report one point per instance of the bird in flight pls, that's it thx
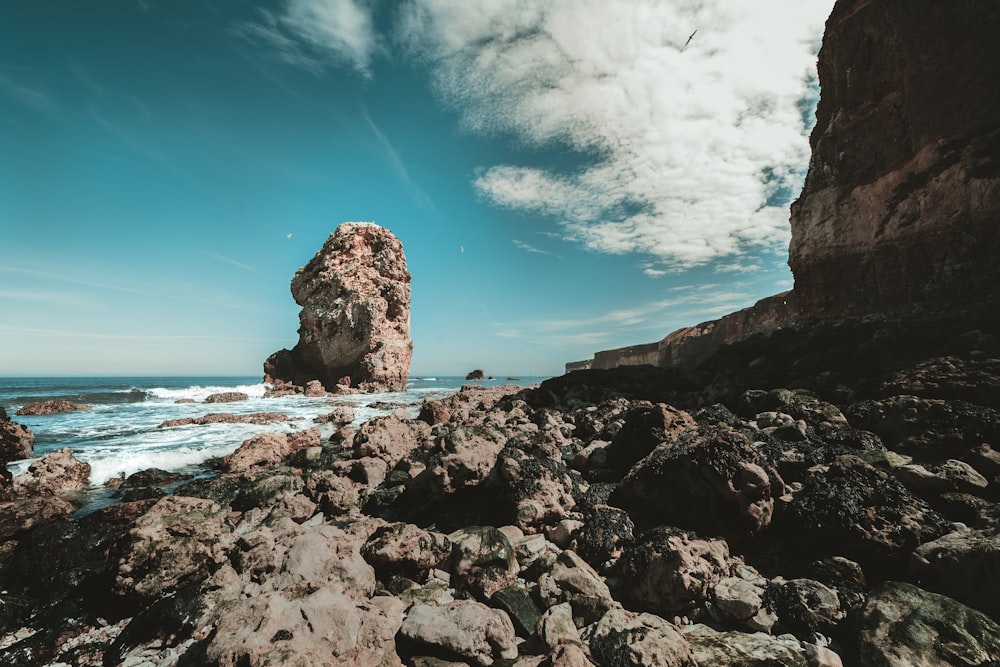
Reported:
(690, 37)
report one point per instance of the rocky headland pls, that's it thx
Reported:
(805, 491)
(354, 326)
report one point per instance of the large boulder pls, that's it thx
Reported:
(355, 317)
(16, 440)
(56, 473)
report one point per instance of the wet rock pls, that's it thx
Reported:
(605, 535)
(710, 647)
(227, 397)
(50, 407)
(342, 414)
(708, 480)
(521, 608)
(476, 374)
(55, 474)
(634, 640)
(962, 565)
(16, 440)
(482, 561)
(845, 577)
(406, 550)
(227, 418)
(267, 449)
(904, 626)
(465, 628)
(179, 541)
(673, 572)
(646, 427)
(805, 608)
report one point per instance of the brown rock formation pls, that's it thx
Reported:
(355, 318)
(16, 441)
(50, 407)
(902, 199)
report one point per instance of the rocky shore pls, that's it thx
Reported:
(820, 497)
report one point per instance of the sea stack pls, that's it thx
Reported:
(354, 326)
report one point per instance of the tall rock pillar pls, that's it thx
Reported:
(354, 327)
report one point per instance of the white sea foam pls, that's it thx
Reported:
(199, 393)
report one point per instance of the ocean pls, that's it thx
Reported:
(119, 434)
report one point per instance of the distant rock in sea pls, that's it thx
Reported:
(475, 375)
(50, 407)
(354, 331)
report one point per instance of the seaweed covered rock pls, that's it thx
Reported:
(673, 572)
(712, 647)
(962, 565)
(406, 550)
(646, 427)
(538, 489)
(905, 626)
(634, 639)
(482, 561)
(709, 480)
(853, 509)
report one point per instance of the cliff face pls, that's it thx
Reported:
(355, 321)
(901, 204)
(900, 210)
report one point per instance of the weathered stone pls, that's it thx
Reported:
(466, 628)
(50, 407)
(539, 489)
(406, 550)
(523, 611)
(227, 397)
(905, 626)
(54, 474)
(355, 318)
(710, 647)
(179, 541)
(629, 639)
(16, 440)
(482, 561)
(573, 580)
(962, 565)
(646, 427)
(556, 627)
(708, 480)
(390, 438)
(670, 571)
(226, 418)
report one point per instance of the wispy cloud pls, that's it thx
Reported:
(316, 33)
(229, 260)
(527, 247)
(419, 197)
(72, 280)
(694, 141)
(34, 97)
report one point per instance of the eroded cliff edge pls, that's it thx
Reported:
(900, 211)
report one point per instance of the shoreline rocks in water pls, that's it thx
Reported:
(50, 407)
(354, 332)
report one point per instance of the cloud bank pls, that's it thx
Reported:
(688, 118)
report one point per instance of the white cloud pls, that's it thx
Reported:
(527, 247)
(314, 33)
(230, 260)
(689, 144)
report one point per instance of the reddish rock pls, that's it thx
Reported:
(178, 542)
(269, 448)
(227, 397)
(406, 550)
(227, 418)
(390, 438)
(467, 628)
(626, 638)
(355, 318)
(16, 440)
(342, 414)
(50, 407)
(646, 427)
(54, 474)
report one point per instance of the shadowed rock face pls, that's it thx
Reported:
(355, 318)
(902, 201)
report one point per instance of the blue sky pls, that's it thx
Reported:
(566, 176)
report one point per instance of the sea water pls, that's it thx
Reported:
(119, 434)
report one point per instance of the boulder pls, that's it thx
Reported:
(962, 565)
(405, 550)
(476, 374)
(571, 579)
(390, 438)
(355, 317)
(538, 489)
(646, 427)
(54, 474)
(178, 542)
(707, 479)
(227, 397)
(632, 639)
(467, 629)
(906, 626)
(16, 440)
(711, 647)
(50, 407)
(266, 449)
(482, 561)
(673, 572)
